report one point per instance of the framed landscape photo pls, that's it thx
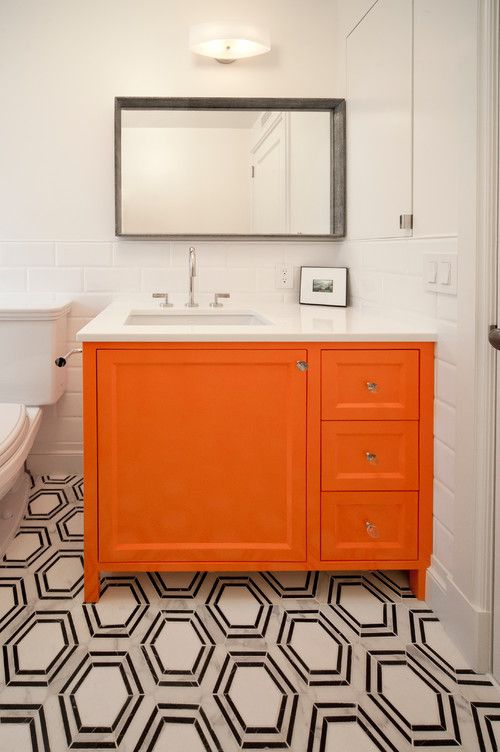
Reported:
(323, 285)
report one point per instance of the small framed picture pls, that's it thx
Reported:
(323, 285)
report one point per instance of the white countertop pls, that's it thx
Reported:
(290, 322)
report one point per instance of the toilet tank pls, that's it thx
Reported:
(32, 336)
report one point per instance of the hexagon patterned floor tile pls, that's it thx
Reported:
(178, 648)
(316, 649)
(100, 699)
(178, 728)
(120, 610)
(257, 700)
(364, 606)
(239, 607)
(23, 727)
(38, 650)
(221, 662)
(177, 584)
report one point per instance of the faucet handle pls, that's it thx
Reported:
(218, 295)
(163, 295)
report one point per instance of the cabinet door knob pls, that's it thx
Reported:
(372, 386)
(302, 365)
(370, 457)
(372, 529)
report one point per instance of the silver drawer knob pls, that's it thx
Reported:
(370, 457)
(302, 365)
(372, 386)
(372, 529)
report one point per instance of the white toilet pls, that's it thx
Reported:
(32, 335)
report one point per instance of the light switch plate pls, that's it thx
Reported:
(440, 272)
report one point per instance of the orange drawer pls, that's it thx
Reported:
(369, 455)
(369, 526)
(370, 384)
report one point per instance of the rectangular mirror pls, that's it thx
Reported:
(230, 168)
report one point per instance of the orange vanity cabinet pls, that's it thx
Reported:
(238, 456)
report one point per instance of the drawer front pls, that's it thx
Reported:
(370, 384)
(369, 455)
(369, 526)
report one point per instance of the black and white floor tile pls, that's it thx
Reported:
(217, 662)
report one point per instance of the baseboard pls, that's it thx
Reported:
(468, 626)
(55, 462)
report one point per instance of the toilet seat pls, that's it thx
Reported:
(14, 426)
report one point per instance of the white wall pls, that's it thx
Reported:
(61, 65)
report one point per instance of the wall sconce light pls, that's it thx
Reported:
(227, 42)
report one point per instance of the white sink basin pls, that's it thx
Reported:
(153, 317)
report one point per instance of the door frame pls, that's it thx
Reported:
(486, 484)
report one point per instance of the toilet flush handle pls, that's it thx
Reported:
(61, 361)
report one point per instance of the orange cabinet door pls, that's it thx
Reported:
(369, 526)
(202, 455)
(369, 455)
(370, 384)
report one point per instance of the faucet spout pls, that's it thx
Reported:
(192, 274)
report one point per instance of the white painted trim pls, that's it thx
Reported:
(467, 625)
(56, 462)
(486, 300)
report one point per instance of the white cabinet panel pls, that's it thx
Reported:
(379, 121)
(440, 29)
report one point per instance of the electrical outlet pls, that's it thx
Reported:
(283, 277)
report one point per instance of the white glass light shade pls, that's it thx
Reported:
(227, 42)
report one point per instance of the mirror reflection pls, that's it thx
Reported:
(226, 172)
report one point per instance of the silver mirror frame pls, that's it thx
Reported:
(337, 110)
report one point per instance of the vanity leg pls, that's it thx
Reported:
(417, 582)
(92, 589)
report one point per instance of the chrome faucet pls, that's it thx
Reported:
(192, 274)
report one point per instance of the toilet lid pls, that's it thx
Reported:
(14, 424)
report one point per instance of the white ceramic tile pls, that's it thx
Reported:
(444, 505)
(261, 255)
(141, 253)
(27, 254)
(396, 257)
(207, 254)
(13, 280)
(70, 405)
(113, 280)
(56, 279)
(74, 324)
(407, 293)
(73, 378)
(447, 307)
(444, 422)
(169, 280)
(447, 344)
(444, 464)
(84, 254)
(212, 279)
(446, 382)
(88, 304)
(443, 545)
(266, 279)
